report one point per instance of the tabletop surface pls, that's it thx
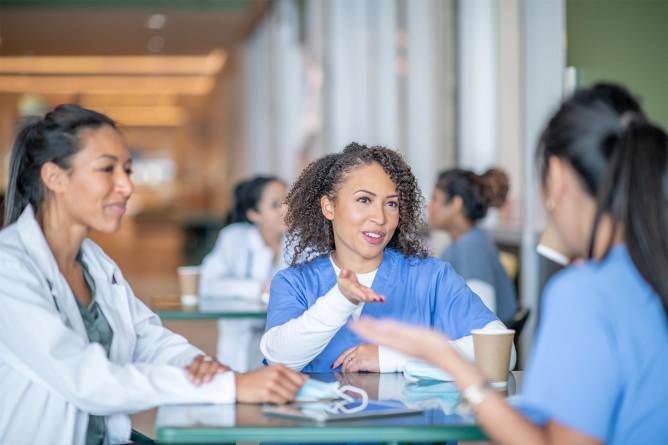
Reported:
(208, 308)
(442, 420)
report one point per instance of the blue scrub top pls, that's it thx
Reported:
(600, 362)
(475, 257)
(419, 291)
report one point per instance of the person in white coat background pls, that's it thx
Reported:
(78, 351)
(246, 256)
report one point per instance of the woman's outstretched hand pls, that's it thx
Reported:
(425, 344)
(354, 291)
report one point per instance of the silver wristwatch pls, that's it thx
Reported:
(475, 394)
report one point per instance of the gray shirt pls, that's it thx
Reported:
(99, 331)
(475, 257)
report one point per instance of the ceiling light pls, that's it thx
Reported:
(188, 85)
(209, 64)
(156, 21)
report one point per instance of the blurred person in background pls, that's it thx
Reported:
(78, 351)
(460, 199)
(598, 370)
(246, 256)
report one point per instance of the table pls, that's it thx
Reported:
(190, 424)
(170, 308)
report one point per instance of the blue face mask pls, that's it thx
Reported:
(429, 394)
(314, 390)
(335, 398)
(418, 370)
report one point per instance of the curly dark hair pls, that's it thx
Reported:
(310, 234)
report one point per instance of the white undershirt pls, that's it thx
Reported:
(297, 342)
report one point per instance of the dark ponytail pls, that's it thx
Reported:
(622, 160)
(247, 195)
(477, 192)
(19, 192)
(55, 138)
(635, 194)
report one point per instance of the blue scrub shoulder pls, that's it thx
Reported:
(603, 340)
(317, 275)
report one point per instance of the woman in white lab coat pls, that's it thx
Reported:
(242, 263)
(78, 351)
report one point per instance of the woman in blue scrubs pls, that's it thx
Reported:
(599, 366)
(354, 223)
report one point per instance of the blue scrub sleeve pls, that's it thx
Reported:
(457, 309)
(573, 376)
(286, 301)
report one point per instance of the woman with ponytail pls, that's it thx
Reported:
(78, 351)
(246, 256)
(598, 370)
(460, 199)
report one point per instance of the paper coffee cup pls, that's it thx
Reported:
(189, 282)
(492, 348)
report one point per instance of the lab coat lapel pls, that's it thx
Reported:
(33, 240)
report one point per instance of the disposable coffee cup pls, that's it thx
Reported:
(189, 282)
(492, 348)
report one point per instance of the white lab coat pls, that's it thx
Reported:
(237, 268)
(51, 377)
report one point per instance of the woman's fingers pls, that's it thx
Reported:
(419, 342)
(203, 369)
(370, 295)
(386, 333)
(282, 393)
(356, 292)
(193, 368)
(382, 332)
(342, 358)
(202, 372)
(256, 386)
(291, 379)
(209, 371)
(351, 290)
(284, 384)
(349, 365)
(364, 358)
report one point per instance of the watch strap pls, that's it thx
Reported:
(476, 393)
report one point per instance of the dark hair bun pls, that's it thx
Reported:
(494, 187)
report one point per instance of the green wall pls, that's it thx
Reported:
(625, 41)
